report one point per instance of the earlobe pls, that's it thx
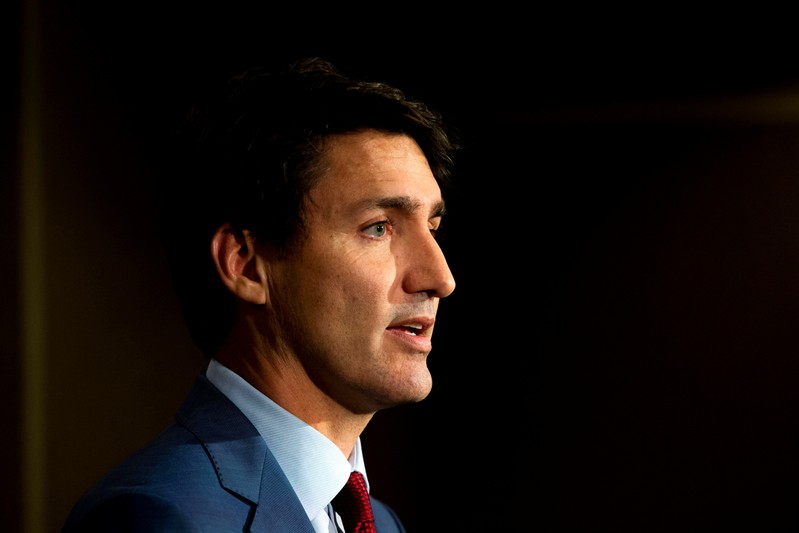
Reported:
(237, 263)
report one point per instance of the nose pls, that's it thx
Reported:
(428, 270)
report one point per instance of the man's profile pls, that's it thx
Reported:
(300, 213)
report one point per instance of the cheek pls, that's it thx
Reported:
(338, 275)
(361, 290)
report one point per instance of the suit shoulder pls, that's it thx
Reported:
(386, 518)
(130, 512)
(161, 483)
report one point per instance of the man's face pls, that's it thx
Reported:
(357, 302)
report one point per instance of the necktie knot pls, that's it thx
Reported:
(354, 507)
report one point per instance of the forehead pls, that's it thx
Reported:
(363, 165)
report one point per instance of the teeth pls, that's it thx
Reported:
(413, 326)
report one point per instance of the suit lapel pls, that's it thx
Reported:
(243, 463)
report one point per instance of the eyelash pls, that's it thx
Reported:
(389, 224)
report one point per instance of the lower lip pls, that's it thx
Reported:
(417, 343)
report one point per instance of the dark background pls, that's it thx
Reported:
(621, 351)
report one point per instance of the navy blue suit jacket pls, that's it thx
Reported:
(208, 471)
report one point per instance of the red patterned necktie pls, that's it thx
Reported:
(354, 507)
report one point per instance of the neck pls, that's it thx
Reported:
(287, 384)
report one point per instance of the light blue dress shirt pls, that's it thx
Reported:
(315, 467)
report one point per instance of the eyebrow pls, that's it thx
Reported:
(403, 203)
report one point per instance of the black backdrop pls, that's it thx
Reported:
(620, 353)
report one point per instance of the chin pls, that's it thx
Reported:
(419, 390)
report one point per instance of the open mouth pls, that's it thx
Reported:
(409, 329)
(412, 329)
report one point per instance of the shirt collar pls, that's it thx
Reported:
(315, 467)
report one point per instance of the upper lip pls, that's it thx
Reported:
(422, 324)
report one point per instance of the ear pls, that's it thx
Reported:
(238, 265)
